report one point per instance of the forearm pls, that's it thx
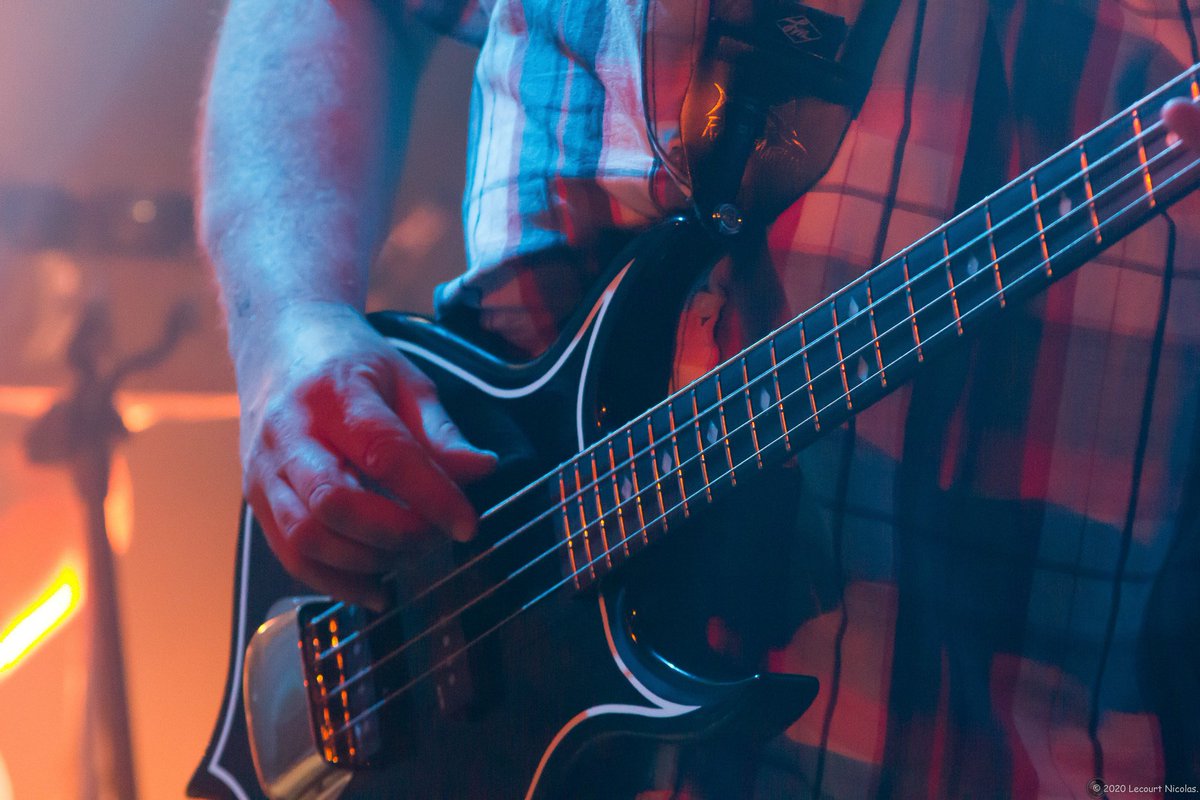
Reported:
(301, 141)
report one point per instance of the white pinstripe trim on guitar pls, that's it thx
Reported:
(662, 708)
(215, 769)
(597, 314)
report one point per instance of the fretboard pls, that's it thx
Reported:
(854, 347)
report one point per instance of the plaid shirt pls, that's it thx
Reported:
(1016, 548)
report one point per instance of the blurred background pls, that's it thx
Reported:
(98, 100)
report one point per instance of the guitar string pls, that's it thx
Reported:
(347, 641)
(936, 335)
(1134, 175)
(359, 717)
(609, 473)
(865, 278)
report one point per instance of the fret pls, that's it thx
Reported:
(912, 311)
(787, 440)
(970, 273)
(572, 564)
(678, 466)
(824, 363)
(700, 447)
(635, 486)
(1090, 193)
(950, 281)
(584, 527)
(618, 501)
(606, 553)
(1064, 215)
(889, 324)
(738, 426)
(1141, 151)
(933, 302)
(890, 314)
(767, 432)
(875, 334)
(808, 380)
(750, 415)
(1116, 174)
(841, 357)
(1015, 233)
(860, 351)
(1041, 228)
(1160, 165)
(995, 258)
(658, 488)
(724, 429)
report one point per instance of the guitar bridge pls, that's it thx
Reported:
(310, 696)
(340, 682)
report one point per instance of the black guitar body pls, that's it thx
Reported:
(518, 665)
(560, 700)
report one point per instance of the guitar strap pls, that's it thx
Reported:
(775, 91)
(776, 87)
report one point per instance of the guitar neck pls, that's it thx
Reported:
(856, 346)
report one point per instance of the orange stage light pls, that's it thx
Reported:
(40, 619)
(6, 789)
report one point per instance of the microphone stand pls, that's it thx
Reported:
(81, 432)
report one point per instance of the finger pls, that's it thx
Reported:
(372, 519)
(339, 501)
(420, 410)
(364, 590)
(1183, 119)
(301, 532)
(453, 453)
(358, 589)
(374, 439)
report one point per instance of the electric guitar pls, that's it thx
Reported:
(513, 667)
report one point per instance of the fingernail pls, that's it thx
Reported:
(463, 445)
(463, 531)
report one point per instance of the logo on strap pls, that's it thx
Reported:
(799, 29)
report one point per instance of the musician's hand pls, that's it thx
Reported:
(1183, 120)
(346, 452)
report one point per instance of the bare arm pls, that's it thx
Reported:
(301, 141)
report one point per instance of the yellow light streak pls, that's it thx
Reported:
(40, 619)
